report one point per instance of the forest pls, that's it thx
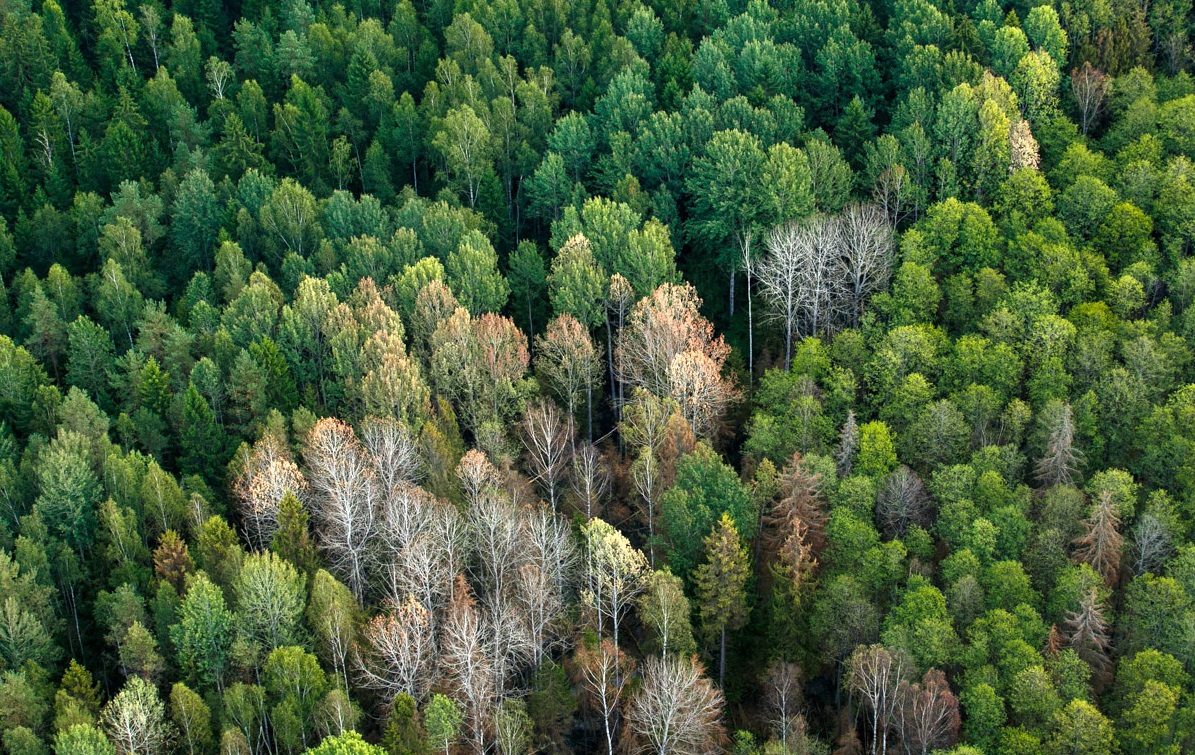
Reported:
(759, 377)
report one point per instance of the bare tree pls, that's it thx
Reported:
(548, 441)
(783, 690)
(477, 476)
(494, 531)
(676, 710)
(929, 715)
(1153, 543)
(603, 671)
(865, 254)
(267, 474)
(406, 519)
(590, 480)
(662, 327)
(393, 453)
(875, 675)
(1060, 463)
(646, 476)
(397, 652)
(1090, 87)
(1101, 543)
(619, 300)
(697, 385)
(344, 502)
(780, 277)
(902, 502)
(467, 666)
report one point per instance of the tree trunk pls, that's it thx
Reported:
(722, 660)
(750, 333)
(732, 292)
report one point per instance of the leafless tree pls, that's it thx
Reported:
(603, 672)
(783, 690)
(1087, 632)
(1090, 87)
(1101, 543)
(393, 453)
(590, 480)
(875, 675)
(928, 718)
(619, 300)
(549, 547)
(1061, 462)
(494, 531)
(397, 652)
(645, 474)
(548, 438)
(466, 663)
(1153, 543)
(456, 548)
(780, 277)
(345, 498)
(676, 710)
(902, 502)
(405, 517)
(267, 474)
(891, 193)
(865, 254)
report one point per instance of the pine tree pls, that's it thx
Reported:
(292, 539)
(1101, 543)
(721, 586)
(202, 439)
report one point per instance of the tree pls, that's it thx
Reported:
(1061, 461)
(267, 475)
(865, 241)
(271, 596)
(725, 184)
(191, 718)
(576, 283)
(296, 685)
(604, 672)
(547, 440)
(928, 718)
(1080, 728)
(202, 439)
(135, 720)
(615, 572)
(676, 711)
(1101, 543)
(466, 147)
(876, 675)
(664, 610)
(204, 633)
(348, 743)
(1087, 632)
(196, 220)
(442, 721)
(82, 739)
(472, 270)
(720, 585)
(567, 358)
(344, 490)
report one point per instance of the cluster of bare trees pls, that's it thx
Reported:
(923, 715)
(818, 273)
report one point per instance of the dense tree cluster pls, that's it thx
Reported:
(771, 378)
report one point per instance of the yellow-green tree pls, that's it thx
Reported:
(721, 586)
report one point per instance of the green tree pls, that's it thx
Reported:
(204, 634)
(721, 586)
(196, 223)
(442, 721)
(472, 270)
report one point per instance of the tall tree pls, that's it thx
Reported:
(721, 586)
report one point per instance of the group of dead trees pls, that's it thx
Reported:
(818, 273)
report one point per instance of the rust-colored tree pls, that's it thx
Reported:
(1101, 544)
(928, 715)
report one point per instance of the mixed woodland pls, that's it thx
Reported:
(765, 377)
